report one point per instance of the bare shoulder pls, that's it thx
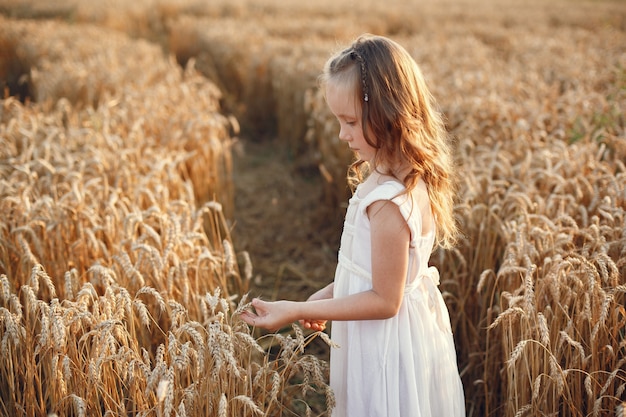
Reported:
(385, 215)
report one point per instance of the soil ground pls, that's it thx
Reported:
(293, 251)
(278, 221)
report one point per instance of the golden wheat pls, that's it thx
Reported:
(101, 219)
(535, 289)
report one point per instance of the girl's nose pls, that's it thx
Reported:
(342, 135)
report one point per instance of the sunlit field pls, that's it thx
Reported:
(121, 271)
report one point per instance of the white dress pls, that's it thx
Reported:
(404, 366)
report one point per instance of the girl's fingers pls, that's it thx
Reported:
(257, 303)
(248, 317)
(317, 325)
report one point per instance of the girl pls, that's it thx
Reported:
(396, 353)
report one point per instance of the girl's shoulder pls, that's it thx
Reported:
(379, 185)
(384, 188)
(414, 205)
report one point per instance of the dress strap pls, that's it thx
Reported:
(386, 191)
(354, 268)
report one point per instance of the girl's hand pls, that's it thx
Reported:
(318, 325)
(270, 315)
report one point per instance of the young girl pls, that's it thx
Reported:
(396, 353)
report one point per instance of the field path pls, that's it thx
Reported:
(277, 221)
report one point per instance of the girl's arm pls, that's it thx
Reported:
(390, 248)
(326, 292)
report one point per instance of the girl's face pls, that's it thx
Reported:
(343, 104)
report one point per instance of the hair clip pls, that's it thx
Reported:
(359, 58)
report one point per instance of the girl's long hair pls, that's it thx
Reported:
(401, 120)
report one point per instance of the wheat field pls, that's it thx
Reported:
(121, 279)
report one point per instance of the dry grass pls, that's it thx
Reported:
(534, 96)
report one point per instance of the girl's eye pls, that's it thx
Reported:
(350, 123)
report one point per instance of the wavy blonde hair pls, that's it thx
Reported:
(400, 119)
